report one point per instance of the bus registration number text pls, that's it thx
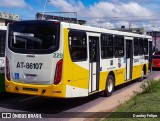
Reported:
(29, 65)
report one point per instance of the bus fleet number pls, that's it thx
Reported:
(57, 55)
(29, 65)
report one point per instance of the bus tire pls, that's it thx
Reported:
(109, 86)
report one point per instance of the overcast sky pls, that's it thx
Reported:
(102, 13)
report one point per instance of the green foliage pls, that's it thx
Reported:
(150, 86)
(145, 101)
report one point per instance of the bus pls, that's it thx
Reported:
(156, 60)
(66, 60)
(2, 57)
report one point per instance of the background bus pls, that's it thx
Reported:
(58, 59)
(156, 60)
(2, 54)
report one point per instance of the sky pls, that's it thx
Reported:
(100, 13)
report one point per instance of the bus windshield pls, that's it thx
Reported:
(33, 38)
(2, 42)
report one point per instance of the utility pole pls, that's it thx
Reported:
(155, 36)
(129, 26)
(44, 9)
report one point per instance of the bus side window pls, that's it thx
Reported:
(78, 45)
(118, 46)
(145, 46)
(136, 47)
(141, 46)
(106, 46)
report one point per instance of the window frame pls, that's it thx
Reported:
(145, 39)
(137, 53)
(35, 23)
(119, 56)
(106, 46)
(141, 46)
(82, 33)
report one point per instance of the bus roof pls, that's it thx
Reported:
(87, 28)
(102, 30)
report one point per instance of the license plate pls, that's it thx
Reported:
(31, 76)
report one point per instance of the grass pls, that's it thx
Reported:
(146, 102)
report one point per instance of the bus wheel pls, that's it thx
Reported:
(109, 86)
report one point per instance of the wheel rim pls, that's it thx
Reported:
(110, 85)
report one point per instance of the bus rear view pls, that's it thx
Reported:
(30, 66)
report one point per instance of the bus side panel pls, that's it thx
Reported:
(117, 66)
(67, 65)
(134, 72)
(103, 79)
(80, 80)
(147, 68)
(119, 76)
(80, 76)
(139, 70)
(74, 75)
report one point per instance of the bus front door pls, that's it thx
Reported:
(129, 59)
(94, 63)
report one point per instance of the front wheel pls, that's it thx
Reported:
(109, 86)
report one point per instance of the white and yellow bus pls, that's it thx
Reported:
(58, 59)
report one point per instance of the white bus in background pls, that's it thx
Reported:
(2, 46)
(2, 55)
